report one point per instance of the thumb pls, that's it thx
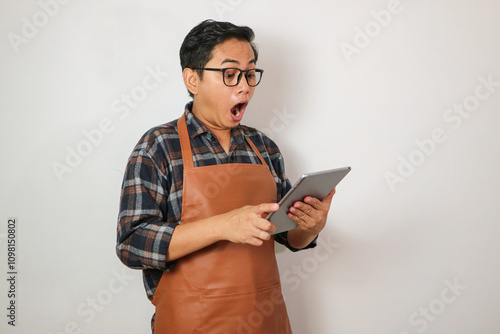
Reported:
(329, 197)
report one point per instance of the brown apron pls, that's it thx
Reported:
(225, 288)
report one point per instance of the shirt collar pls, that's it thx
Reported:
(196, 127)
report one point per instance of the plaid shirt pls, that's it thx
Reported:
(151, 198)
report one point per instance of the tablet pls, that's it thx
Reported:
(318, 184)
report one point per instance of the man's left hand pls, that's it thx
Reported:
(310, 215)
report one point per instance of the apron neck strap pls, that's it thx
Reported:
(187, 153)
(254, 148)
(185, 142)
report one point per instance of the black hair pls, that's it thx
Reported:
(196, 49)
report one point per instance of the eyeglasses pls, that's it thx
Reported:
(232, 76)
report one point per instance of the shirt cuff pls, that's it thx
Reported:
(282, 238)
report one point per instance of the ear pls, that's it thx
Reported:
(191, 80)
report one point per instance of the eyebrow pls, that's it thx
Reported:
(229, 60)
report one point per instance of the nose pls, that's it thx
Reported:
(243, 87)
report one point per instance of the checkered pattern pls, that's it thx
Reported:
(151, 199)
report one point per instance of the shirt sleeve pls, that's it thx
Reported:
(143, 235)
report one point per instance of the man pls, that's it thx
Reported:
(195, 194)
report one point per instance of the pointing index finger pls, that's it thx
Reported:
(267, 207)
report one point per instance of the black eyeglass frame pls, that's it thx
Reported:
(223, 70)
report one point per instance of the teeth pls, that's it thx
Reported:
(237, 110)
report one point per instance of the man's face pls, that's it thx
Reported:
(217, 105)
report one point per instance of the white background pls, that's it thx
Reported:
(411, 244)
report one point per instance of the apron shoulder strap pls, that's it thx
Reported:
(252, 145)
(187, 154)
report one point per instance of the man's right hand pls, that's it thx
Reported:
(247, 225)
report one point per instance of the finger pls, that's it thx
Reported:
(255, 242)
(264, 235)
(307, 215)
(301, 214)
(306, 208)
(265, 225)
(316, 203)
(329, 197)
(304, 211)
(255, 236)
(296, 218)
(304, 221)
(320, 205)
(261, 235)
(266, 208)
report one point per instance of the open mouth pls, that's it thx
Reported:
(238, 109)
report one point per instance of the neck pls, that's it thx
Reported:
(223, 134)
